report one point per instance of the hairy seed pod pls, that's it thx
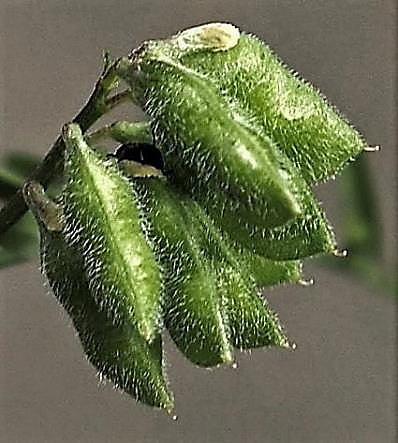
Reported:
(226, 277)
(308, 235)
(118, 352)
(104, 222)
(267, 272)
(263, 271)
(193, 313)
(251, 322)
(212, 147)
(317, 139)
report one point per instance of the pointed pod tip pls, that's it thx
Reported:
(46, 211)
(341, 253)
(306, 282)
(163, 404)
(228, 357)
(285, 343)
(72, 136)
(107, 59)
(174, 417)
(169, 408)
(70, 130)
(167, 405)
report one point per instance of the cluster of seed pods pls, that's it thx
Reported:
(185, 239)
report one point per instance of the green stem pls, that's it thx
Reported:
(97, 105)
(123, 132)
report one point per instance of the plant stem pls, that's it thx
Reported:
(97, 105)
(123, 132)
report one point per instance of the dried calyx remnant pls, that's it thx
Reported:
(203, 205)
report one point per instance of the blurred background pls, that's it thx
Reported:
(339, 385)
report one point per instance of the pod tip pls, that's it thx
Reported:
(340, 253)
(375, 148)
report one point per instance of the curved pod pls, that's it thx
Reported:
(118, 352)
(103, 221)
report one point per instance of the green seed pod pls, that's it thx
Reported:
(251, 321)
(192, 309)
(221, 274)
(212, 147)
(194, 315)
(308, 235)
(192, 149)
(252, 324)
(267, 272)
(263, 271)
(104, 223)
(317, 139)
(119, 353)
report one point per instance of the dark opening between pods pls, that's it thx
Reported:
(143, 153)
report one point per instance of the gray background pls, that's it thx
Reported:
(340, 383)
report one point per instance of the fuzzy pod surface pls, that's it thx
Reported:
(193, 311)
(212, 147)
(293, 113)
(219, 248)
(118, 352)
(306, 235)
(103, 221)
(206, 269)
(267, 272)
(251, 322)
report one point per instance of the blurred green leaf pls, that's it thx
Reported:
(362, 230)
(15, 167)
(20, 163)
(9, 184)
(20, 243)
